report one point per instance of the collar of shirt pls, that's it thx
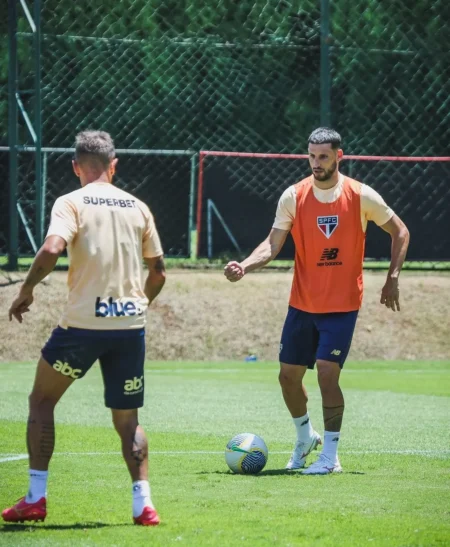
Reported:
(330, 194)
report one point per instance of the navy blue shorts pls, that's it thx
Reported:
(121, 353)
(307, 337)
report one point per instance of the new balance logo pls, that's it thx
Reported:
(329, 254)
(335, 440)
(136, 385)
(116, 308)
(67, 370)
(328, 257)
(336, 352)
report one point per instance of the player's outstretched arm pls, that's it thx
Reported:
(42, 266)
(262, 255)
(156, 277)
(400, 240)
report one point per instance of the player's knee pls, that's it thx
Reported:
(289, 378)
(328, 375)
(125, 421)
(38, 401)
(284, 379)
(326, 383)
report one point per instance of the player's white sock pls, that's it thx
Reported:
(141, 497)
(38, 486)
(304, 428)
(330, 445)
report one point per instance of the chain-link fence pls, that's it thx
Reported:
(249, 75)
(238, 195)
(163, 179)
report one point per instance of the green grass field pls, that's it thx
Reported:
(395, 451)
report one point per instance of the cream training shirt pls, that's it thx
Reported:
(373, 206)
(108, 232)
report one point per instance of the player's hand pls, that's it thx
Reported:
(233, 271)
(390, 294)
(21, 304)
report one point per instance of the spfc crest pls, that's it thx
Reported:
(327, 225)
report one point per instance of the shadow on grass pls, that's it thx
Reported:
(273, 472)
(266, 473)
(42, 527)
(270, 472)
(354, 473)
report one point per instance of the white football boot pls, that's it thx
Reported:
(323, 466)
(302, 450)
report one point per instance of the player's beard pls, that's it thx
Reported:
(326, 174)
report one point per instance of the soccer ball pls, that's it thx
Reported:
(246, 454)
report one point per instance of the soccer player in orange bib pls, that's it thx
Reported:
(327, 215)
(108, 234)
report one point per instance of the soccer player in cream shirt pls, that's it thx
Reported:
(108, 234)
(327, 214)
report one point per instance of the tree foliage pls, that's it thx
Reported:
(241, 74)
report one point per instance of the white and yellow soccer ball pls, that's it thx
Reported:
(246, 453)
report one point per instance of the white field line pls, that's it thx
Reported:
(425, 453)
(14, 458)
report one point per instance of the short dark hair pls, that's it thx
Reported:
(94, 147)
(324, 135)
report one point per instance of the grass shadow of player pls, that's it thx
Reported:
(263, 473)
(298, 473)
(275, 472)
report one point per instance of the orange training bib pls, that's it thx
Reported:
(329, 250)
